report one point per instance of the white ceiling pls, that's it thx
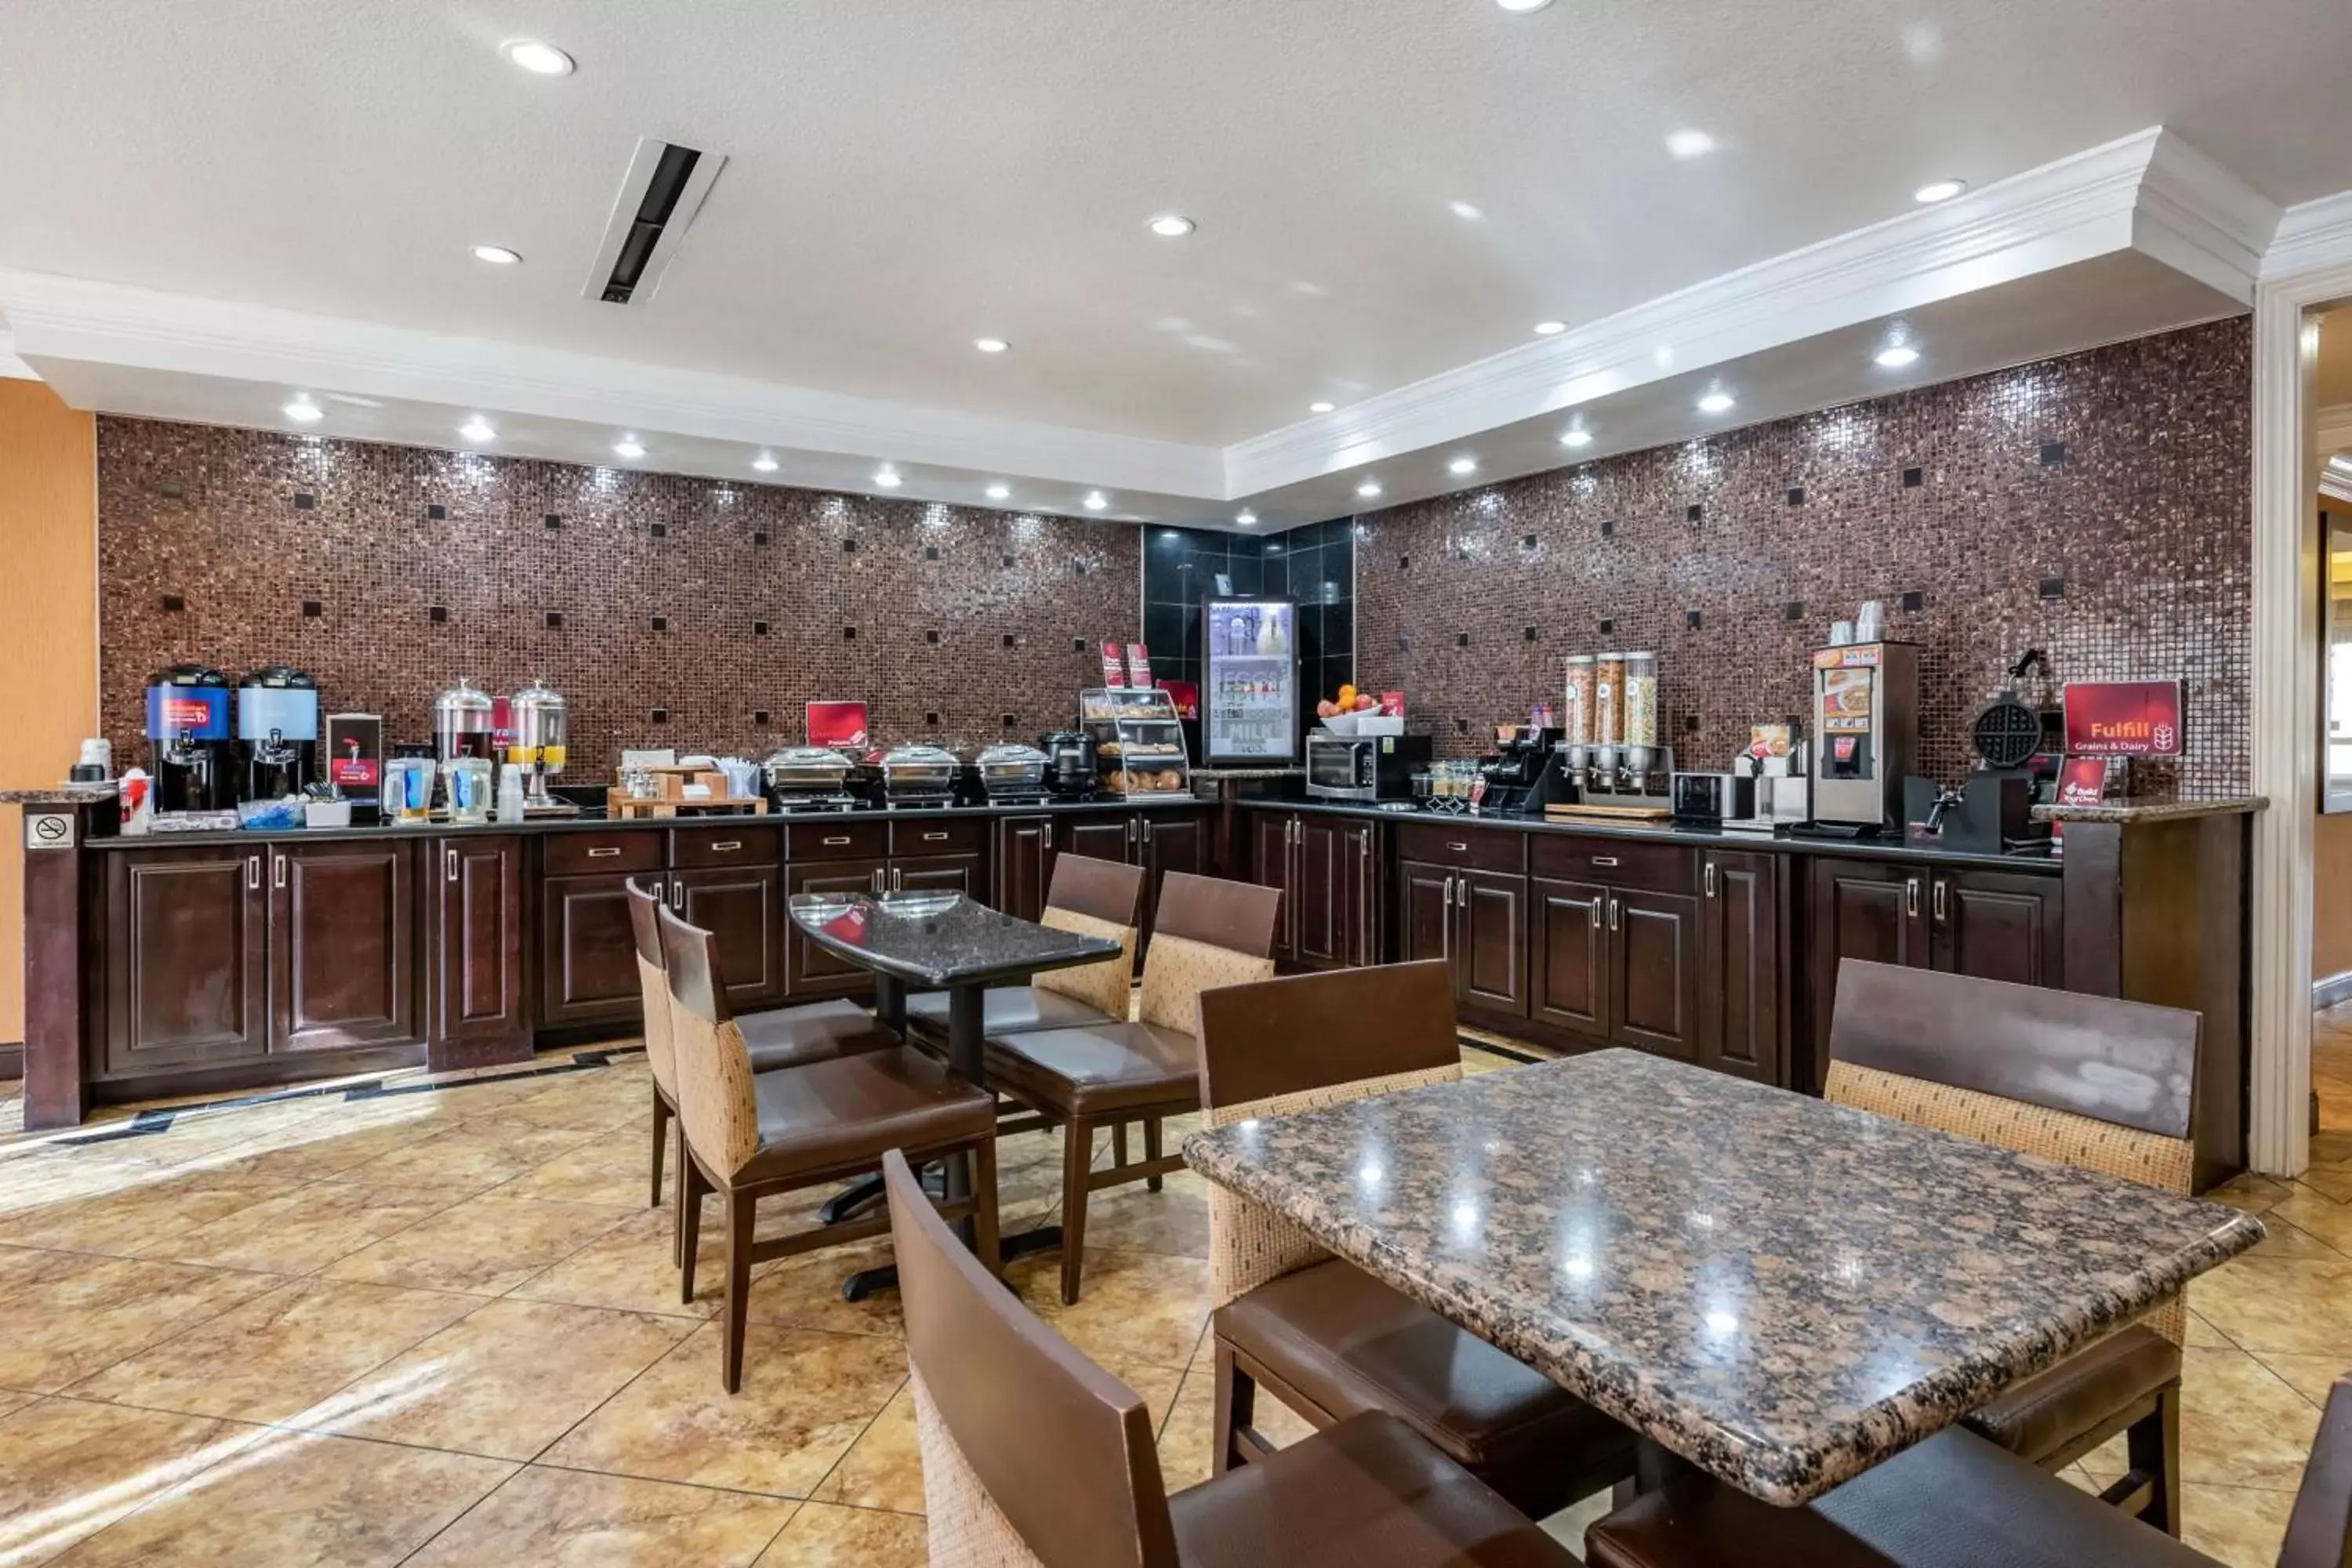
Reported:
(905, 175)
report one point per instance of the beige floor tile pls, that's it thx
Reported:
(2311, 1376)
(2204, 1336)
(823, 1536)
(2239, 1528)
(1568, 1526)
(1188, 1435)
(2323, 1218)
(589, 1101)
(304, 1230)
(569, 1518)
(69, 1468)
(804, 1292)
(2288, 1240)
(2250, 1192)
(806, 1398)
(472, 1156)
(609, 1170)
(485, 1246)
(138, 1216)
(2240, 1426)
(2300, 1308)
(336, 1145)
(299, 1500)
(277, 1357)
(629, 1267)
(2332, 1181)
(72, 1314)
(41, 1179)
(1136, 1308)
(506, 1382)
(1174, 1222)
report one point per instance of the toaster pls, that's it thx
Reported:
(1712, 797)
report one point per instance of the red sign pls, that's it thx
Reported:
(2083, 780)
(1186, 695)
(2123, 718)
(837, 723)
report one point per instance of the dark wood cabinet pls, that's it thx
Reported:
(1356, 893)
(1273, 865)
(1106, 837)
(935, 874)
(186, 959)
(480, 1013)
(1654, 970)
(1024, 865)
(1490, 953)
(1742, 1008)
(743, 911)
(1996, 925)
(1424, 911)
(810, 972)
(1329, 870)
(342, 945)
(588, 951)
(1568, 957)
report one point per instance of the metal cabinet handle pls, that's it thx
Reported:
(877, 878)
(1939, 906)
(1616, 914)
(1131, 830)
(1911, 896)
(1710, 879)
(838, 838)
(897, 880)
(252, 871)
(724, 845)
(278, 870)
(678, 894)
(449, 863)
(933, 838)
(1147, 833)
(602, 851)
(1459, 848)
(1445, 923)
(1604, 860)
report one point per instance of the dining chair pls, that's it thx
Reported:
(755, 1135)
(1955, 1501)
(2094, 1082)
(1035, 1458)
(784, 1037)
(1316, 1331)
(1087, 897)
(1208, 932)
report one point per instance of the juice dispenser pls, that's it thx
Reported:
(1866, 729)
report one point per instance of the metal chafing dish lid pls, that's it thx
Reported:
(812, 758)
(1008, 756)
(919, 757)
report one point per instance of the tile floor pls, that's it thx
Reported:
(438, 1328)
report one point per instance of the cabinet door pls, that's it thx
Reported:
(1319, 869)
(1861, 908)
(1490, 954)
(1740, 965)
(1654, 970)
(588, 951)
(1568, 956)
(1024, 865)
(1360, 902)
(1996, 925)
(1167, 844)
(479, 997)
(1273, 865)
(743, 914)
(1424, 911)
(935, 874)
(1107, 838)
(810, 971)
(342, 945)
(186, 959)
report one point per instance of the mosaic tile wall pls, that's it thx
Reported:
(669, 611)
(2097, 507)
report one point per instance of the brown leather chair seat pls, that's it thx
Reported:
(1338, 1337)
(1003, 1010)
(2050, 1411)
(1095, 1072)
(1954, 1502)
(1361, 1494)
(812, 1032)
(827, 1114)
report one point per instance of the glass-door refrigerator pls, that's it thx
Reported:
(1249, 685)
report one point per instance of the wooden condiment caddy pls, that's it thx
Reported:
(672, 799)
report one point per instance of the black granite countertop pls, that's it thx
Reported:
(940, 939)
(1715, 837)
(1784, 1291)
(2125, 812)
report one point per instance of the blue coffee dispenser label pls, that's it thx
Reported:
(199, 713)
(292, 711)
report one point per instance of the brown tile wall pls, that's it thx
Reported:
(2096, 506)
(239, 528)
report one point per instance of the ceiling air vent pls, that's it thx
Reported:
(660, 195)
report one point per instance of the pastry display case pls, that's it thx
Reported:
(1138, 741)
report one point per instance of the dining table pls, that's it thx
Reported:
(938, 940)
(1776, 1290)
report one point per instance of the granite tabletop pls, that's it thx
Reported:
(938, 939)
(1784, 1291)
(2129, 811)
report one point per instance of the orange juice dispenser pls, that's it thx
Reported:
(1866, 736)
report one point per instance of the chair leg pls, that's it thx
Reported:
(1236, 1409)
(2152, 1446)
(1077, 1157)
(661, 1145)
(1118, 1145)
(741, 1211)
(689, 1227)
(984, 1206)
(1152, 1149)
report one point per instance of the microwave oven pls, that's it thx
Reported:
(1364, 767)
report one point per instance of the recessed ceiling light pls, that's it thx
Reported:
(1245, 518)
(628, 447)
(477, 429)
(1369, 489)
(496, 255)
(1465, 211)
(1321, 408)
(1463, 466)
(1690, 144)
(1000, 492)
(990, 346)
(888, 479)
(540, 59)
(764, 463)
(1172, 225)
(302, 411)
(1551, 329)
(1523, 6)
(1716, 402)
(1097, 501)
(1895, 356)
(1580, 437)
(1939, 190)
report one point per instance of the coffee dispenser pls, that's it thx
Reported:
(276, 732)
(188, 747)
(1866, 736)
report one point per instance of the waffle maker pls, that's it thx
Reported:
(1993, 812)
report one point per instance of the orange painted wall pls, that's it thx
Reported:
(48, 629)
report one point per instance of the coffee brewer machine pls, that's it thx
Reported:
(188, 746)
(1525, 773)
(1866, 736)
(276, 732)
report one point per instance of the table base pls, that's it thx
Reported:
(867, 1282)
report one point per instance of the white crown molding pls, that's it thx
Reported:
(11, 367)
(2312, 236)
(2197, 216)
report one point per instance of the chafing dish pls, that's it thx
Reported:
(1012, 772)
(919, 775)
(800, 774)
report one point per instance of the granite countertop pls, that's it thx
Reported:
(938, 939)
(2128, 811)
(1784, 1291)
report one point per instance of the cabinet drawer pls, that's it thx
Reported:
(1460, 843)
(941, 836)
(837, 841)
(735, 845)
(1622, 863)
(619, 849)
